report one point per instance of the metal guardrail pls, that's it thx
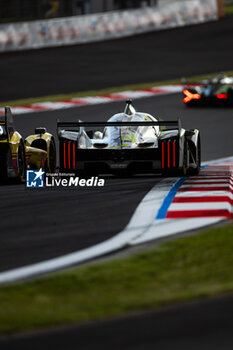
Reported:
(103, 26)
(23, 10)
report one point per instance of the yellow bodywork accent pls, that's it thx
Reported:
(35, 157)
(44, 154)
(46, 136)
(126, 138)
(14, 143)
(131, 139)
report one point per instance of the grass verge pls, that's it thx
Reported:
(183, 269)
(229, 9)
(107, 91)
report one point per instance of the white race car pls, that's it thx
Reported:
(128, 143)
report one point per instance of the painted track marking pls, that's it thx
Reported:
(145, 225)
(78, 102)
(200, 201)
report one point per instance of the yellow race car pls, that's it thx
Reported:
(38, 151)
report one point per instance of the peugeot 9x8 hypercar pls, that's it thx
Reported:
(128, 143)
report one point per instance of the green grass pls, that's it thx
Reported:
(228, 9)
(107, 91)
(192, 267)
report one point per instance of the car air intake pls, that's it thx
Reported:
(146, 144)
(40, 130)
(100, 145)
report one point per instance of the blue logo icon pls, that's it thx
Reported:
(35, 178)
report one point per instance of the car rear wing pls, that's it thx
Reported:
(6, 122)
(201, 83)
(174, 124)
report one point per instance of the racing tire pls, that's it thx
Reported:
(230, 95)
(183, 170)
(51, 160)
(196, 170)
(21, 164)
(3, 167)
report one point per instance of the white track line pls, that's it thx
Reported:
(141, 220)
(141, 228)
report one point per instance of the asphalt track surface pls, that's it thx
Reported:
(37, 225)
(202, 325)
(51, 222)
(149, 57)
